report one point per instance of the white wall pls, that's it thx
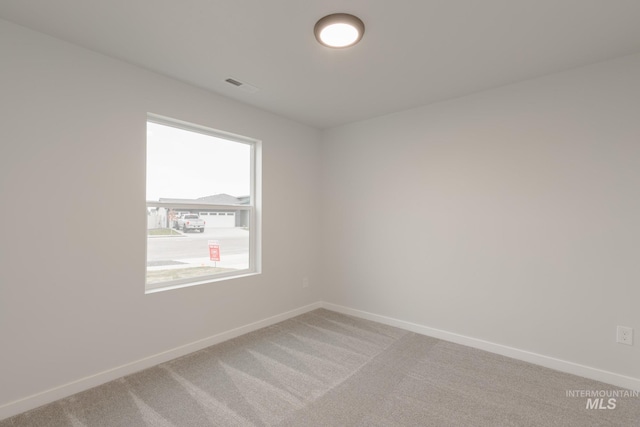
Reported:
(518, 213)
(72, 135)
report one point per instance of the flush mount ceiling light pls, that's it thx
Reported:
(339, 30)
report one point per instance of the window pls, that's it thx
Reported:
(194, 173)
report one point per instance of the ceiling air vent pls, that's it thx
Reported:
(242, 86)
(234, 82)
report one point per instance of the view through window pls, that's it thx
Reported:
(200, 204)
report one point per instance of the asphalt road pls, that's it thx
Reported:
(233, 241)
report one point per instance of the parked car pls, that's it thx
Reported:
(190, 221)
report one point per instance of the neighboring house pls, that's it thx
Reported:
(214, 218)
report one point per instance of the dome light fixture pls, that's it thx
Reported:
(339, 30)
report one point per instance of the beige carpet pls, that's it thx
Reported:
(328, 369)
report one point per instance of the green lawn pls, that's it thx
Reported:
(163, 232)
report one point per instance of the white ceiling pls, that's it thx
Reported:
(414, 52)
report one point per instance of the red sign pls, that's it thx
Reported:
(214, 250)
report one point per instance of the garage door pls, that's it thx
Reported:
(219, 219)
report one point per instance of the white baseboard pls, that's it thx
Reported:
(30, 402)
(514, 353)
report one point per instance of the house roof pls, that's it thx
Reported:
(219, 199)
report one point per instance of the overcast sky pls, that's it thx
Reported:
(187, 165)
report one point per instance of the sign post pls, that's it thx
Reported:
(214, 251)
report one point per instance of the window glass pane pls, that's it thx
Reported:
(192, 244)
(190, 165)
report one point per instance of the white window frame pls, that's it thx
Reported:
(253, 207)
